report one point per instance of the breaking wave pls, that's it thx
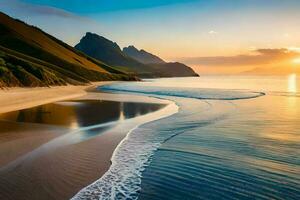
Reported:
(133, 154)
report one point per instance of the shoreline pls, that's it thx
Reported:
(18, 98)
(77, 164)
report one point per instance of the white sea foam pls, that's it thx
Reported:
(127, 165)
(128, 162)
(123, 179)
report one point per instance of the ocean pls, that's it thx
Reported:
(233, 137)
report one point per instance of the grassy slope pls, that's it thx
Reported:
(24, 48)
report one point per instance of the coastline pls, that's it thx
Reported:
(71, 167)
(18, 98)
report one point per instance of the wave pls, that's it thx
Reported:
(197, 93)
(134, 153)
(122, 180)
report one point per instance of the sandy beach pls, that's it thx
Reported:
(20, 98)
(48, 161)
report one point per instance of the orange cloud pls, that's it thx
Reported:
(257, 57)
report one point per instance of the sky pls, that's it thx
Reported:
(212, 36)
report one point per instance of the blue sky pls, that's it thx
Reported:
(96, 6)
(172, 29)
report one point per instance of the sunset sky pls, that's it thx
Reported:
(235, 34)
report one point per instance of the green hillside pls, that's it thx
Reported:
(31, 57)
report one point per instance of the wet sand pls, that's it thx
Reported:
(17, 139)
(58, 156)
(20, 98)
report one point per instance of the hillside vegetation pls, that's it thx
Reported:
(31, 57)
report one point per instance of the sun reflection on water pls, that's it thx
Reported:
(74, 124)
(122, 116)
(292, 83)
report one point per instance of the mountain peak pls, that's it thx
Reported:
(131, 47)
(142, 55)
(131, 59)
(92, 43)
(107, 51)
(90, 34)
(43, 60)
(93, 38)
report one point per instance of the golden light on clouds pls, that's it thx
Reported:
(296, 61)
(296, 49)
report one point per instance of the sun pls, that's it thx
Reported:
(296, 61)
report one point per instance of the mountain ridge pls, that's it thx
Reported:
(109, 52)
(142, 55)
(35, 58)
(167, 69)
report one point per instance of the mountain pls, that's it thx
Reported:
(142, 56)
(109, 52)
(174, 69)
(171, 69)
(31, 57)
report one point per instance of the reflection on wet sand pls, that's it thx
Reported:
(52, 151)
(74, 114)
(85, 118)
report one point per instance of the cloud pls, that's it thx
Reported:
(212, 32)
(64, 25)
(296, 49)
(18, 8)
(257, 57)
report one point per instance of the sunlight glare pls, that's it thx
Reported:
(122, 116)
(292, 83)
(296, 61)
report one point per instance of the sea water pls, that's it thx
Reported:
(232, 138)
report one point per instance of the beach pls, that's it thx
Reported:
(19, 98)
(54, 159)
(157, 139)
